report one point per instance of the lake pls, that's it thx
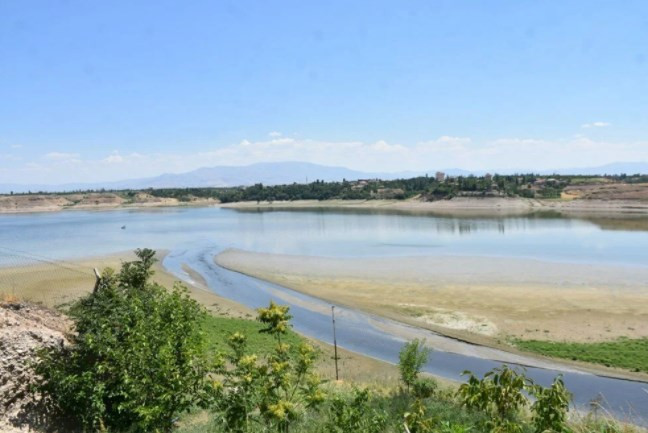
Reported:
(66, 235)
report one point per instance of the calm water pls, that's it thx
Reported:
(73, 234)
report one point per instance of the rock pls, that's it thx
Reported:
(24, 329)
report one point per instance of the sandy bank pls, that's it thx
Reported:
(60, 282)
(464, 206)
(21, 203)
(463, 296)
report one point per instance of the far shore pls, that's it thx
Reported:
(459, 206)
(36, 203)
(463, 206)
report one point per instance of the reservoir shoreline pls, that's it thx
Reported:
(460, 206)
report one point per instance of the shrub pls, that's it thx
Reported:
(500, 394)
(412, 357)
(136, 360)
(354, 414)
(551, 406)
(424, 387)
(275, 393)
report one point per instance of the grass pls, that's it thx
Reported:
(218, 329)
(630, 354)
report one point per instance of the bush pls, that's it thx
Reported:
(355, 414)
(500, 394)
(411, 359)
(271, 395)
(551, 406)
(136, 360)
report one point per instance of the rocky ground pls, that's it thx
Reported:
(24, 328)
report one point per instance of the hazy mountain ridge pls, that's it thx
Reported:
(275, 173)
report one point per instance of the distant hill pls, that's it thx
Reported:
(613, 168)
(277, 173)
(271, 173)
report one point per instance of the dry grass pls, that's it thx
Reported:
(8, 298)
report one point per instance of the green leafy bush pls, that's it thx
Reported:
(136, 360)
(551, 406)
(272, 394)
(411, 359)
(500, 394)
(355, 414)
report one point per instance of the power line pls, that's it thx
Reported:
(19, 254)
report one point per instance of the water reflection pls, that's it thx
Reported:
(325, 232)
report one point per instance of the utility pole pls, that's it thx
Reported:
(337, 376)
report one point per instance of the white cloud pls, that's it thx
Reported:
(16, 146)
(274, 134)
(62, 156)
(114, 158)
(595, 125)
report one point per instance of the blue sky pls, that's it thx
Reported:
(95, 90)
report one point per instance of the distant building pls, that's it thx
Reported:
(488, 177)
(440, 176)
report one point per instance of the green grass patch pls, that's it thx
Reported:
(218, 329)
(630, 354)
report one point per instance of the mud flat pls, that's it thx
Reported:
(481, 299)
(58, 283)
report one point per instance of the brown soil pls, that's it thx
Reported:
(24, 329)
(56, 202)
(471, 296)
(608, 191)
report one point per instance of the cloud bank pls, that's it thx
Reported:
(439, 153)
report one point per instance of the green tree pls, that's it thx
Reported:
(412, 357)
(136, 360)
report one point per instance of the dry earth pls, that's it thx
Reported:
(608, 191)
(466, 206)
(18, 203)
(471, 296)
(24, 329)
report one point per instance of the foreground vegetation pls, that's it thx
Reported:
(631, 354)
(145, 359)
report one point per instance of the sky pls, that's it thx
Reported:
(96, 91)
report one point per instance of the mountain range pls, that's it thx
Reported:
(275, 173)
